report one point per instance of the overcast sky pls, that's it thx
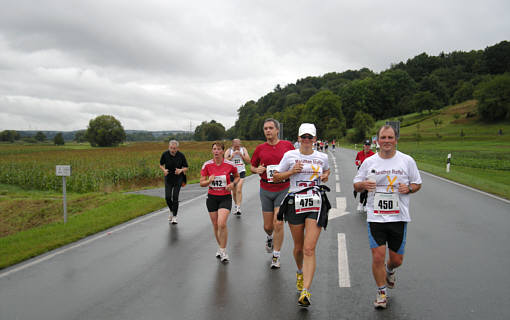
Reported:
(161, 65)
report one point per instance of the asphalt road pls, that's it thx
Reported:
(456, 264)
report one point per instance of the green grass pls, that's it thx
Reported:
(34, 241)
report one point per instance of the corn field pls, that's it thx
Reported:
(95, 169)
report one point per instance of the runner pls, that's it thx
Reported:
(390, 176)
(174, 165)
(360, 157)
(215, 174)
(333, 143)
(306, 169)
(266, 158)
(238, 154)
(326, 144)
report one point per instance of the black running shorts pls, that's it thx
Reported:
(392, 233)
(214, 202)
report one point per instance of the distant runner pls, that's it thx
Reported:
(391, 177)
(360, 157)
(216, 174)
(238, 154)
(265, 160)
(174, 165)
(304, 206)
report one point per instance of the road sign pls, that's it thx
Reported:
(63, 171)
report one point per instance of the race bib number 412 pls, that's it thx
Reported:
(219, 182)
(386, 204)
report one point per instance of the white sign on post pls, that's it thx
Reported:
(64, 171)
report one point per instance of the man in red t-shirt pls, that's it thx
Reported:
(360, 157)
(265, 160)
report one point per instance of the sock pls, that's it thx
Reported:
(300, 271)
(276, 253)
(389, 270)
(270, 237)
(383, 289)
(222, 250)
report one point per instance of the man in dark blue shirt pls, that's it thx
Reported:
(174, 165)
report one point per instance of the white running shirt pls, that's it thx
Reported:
(401, 168)
(313, 167)
(238, 160)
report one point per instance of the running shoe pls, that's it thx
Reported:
(174, 220)
(275, 263)
(218, 254)
(224, 257)
(390, 279)
(360, 208)
(380, 300)
(238, 212)
(299, 281)
(269, 245)
(365, 209)
(304, 299)
(170, 215)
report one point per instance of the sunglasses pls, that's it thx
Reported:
(307, 136)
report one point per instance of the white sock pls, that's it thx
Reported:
(389, 270)
(276, 253)
(222, 250)
(270, 237)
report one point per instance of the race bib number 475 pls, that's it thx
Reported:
(386, 204)
(307, 203)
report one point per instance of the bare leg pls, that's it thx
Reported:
(312, 233)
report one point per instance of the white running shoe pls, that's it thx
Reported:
(275, 263)
(360, 208)
(224, 257)
(218, 254)
(390, 279)
(174, 220)
(170, 215)
(380, 300)
(365, 209)
(269, 245)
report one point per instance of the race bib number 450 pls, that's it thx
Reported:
(307, 203)
(386, 204)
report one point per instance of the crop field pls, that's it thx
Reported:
(130, 166)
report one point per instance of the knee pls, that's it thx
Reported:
(278, 225)
(309, 251)
(378, 258)
(396, 262)
(222, 225)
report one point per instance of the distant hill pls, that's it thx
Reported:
(69, 135)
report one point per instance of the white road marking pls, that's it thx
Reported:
(94, 238)
(344, 279)
(341, 205)
(337, 177)
(337, 187)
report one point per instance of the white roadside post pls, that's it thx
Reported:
(448, 162)
(64, 171)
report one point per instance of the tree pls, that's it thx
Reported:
(9, 135)
(497, 58)
(39, 136)
(363, 123)
(80, 136)
(494, 98)
(105, 131)
(209, 131)
(425, 100)
(59, 139)
(322, 107)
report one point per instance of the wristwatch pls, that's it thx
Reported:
(410, 189)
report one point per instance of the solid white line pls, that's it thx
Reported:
(337, 177)
(466, 187)
(337, 187)
(344, 279)
(94, 238)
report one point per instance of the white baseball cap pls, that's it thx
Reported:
(305, 128)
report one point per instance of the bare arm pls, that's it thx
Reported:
(205, 182)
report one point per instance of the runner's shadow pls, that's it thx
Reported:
(173, 234)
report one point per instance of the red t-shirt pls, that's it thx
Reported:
(267, 155)
(361, 156)
(221, 173)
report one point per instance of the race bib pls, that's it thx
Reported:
(238, 162)
(307, 203)
(270, 172)
(219, 182)
(386, 204)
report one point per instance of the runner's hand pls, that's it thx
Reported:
(166, 172)
(403, 188)
(211, 179)
(230, 186)
(178, 171)
(324, 177)
(260, 169)
(297, 167)
(369, 185)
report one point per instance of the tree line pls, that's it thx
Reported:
(336, 102)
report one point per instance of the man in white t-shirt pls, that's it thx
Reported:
(390, 176)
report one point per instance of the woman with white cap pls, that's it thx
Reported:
(303, 207)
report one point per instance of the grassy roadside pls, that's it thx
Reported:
(97, 212)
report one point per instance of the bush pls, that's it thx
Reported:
(105, 131)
